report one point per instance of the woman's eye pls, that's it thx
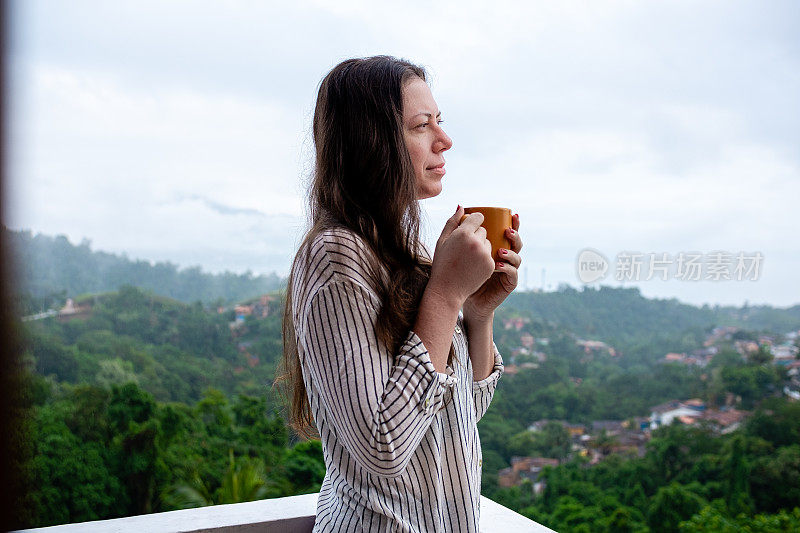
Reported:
(424, 124)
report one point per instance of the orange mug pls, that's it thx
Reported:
(495, 221)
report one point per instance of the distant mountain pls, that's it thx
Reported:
(51, 269)
(641, 326)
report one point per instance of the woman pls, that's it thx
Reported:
(377, 354)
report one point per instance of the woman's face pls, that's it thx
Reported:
(425, 139)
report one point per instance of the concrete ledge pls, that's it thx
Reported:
(294, 514)
(498, 519)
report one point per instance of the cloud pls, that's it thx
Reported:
(220, 208)
(154, 172)
(180, 130)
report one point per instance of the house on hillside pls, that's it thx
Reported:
(527, 340)
(574, 430)
(793, 368)
(694, 359)
(516, 323)
(784, 353)
(721, 333)
(725, 420)
(591, 347)
(525, 468)
(611, 427)
(674, 357)
(766, 339)
(746, 347)
(638, 423)
(242, 311)
(707, 352)
(665, 413)
(260, 308)
(71, 311)
(265, 305)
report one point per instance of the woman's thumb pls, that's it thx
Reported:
(453, 222)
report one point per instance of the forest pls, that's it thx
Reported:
(140, 402)
(50, 269)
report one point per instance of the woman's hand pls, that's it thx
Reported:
(480, 305)
(462, 260)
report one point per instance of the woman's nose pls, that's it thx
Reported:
(443, 142)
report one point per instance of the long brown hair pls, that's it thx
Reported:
(364, 181)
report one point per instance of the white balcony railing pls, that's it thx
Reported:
(294, 514)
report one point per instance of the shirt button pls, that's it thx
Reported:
(480, 462)
(458, 330)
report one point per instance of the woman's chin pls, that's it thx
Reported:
(430, 191)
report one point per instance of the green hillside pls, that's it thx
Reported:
(51, 269)
(642, 329)
(175, 351)
(623, 313)
(136, 402)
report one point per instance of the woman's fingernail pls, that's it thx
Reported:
(503, 251)
(511, 231)
(498, 265)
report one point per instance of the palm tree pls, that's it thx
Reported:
(244, 481)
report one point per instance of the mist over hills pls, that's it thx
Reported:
(623, 314)
(51, 269)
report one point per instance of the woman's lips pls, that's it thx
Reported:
(439, 169)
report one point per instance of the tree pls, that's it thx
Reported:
(243, 481)
(496, 431)
(736, 489)
(52, 357)
(71, 478)
(555, 440)
(672, 505)
(777, 421)
(762, 356)
(775, 480)
(604, 442)
(571, 515)
(305, 466)
(714, 519)
(129, 404)
(522, 444)
(115, 372)
(215, 413)
(624, 520)
(87, 419)
(137, 464)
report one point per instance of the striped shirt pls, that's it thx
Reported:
(400, 439)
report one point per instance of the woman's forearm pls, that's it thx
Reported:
(436, 321)
(481, 348)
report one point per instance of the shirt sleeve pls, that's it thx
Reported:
(379, 404)
(483, 390)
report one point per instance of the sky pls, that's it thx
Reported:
(180, 131)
